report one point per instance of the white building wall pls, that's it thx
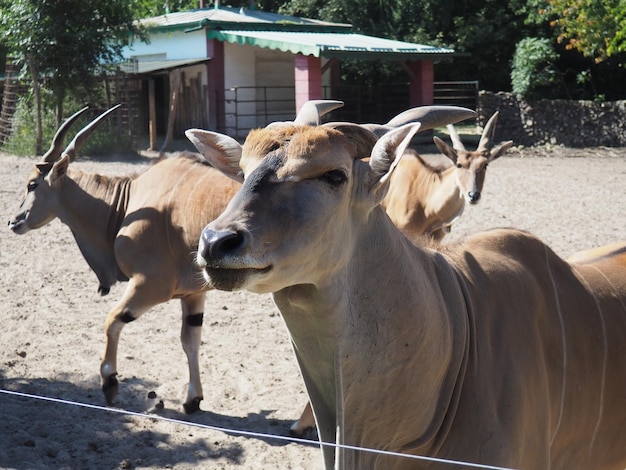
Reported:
(239, 81)
(276, 79)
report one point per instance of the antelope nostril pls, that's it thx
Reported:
(215, 245)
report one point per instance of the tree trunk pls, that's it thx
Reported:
(37, 92)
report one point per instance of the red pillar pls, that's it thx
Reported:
(421, 84)
(308, 75)
(216, 84)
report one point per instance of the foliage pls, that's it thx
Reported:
(533, 66)
(65, 41)
(22, 140)
(105, 140)
(149, 8)
(596, 28)
(483, 34)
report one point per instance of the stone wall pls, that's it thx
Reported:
(555, 122)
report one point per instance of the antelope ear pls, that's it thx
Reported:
(445, 149)
(386, 155)
(500, 150)
(59, 169)
(221, 151)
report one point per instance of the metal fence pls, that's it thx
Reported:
(246, 108)
(460, 93)
(250, 107)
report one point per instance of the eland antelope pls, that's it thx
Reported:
(493, 350)
(142, 229)
(426, 199)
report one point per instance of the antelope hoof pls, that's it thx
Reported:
(192, 406)
(110, 388)
(103, 290)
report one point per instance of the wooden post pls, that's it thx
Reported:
(152, 114)
(174, 85)
(421, 86)
(215, 85)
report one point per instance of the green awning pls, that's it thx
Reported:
(328, 45)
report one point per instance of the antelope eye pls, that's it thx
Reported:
(334, 177)
(458, 165)
(32, 185)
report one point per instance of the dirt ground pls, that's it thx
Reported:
(52, 338)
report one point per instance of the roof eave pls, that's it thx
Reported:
(385, 55)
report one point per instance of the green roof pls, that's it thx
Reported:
(330, 44)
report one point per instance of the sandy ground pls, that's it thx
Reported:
(52, 338)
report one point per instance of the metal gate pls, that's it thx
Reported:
(249, 107)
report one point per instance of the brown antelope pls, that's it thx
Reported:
(424, 199)
(492, 351)
(141, 229)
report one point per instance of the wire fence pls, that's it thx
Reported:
(17, 112)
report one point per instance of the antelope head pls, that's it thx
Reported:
(472, 165)
(40, 204)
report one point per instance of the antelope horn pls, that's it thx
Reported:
(428, 116)
(432, 116)
(313, 110)
(53, 154)
(77, 142)
(488, 133)
(454, 137)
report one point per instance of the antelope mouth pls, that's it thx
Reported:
(18, 224)
(231, 279)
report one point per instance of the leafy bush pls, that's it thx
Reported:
(533, 72)
(23, 134)
(105, 140)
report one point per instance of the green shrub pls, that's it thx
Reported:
(105, 140)
(533, 72)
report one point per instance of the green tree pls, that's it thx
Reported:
(483, 33)
(149, 8)
(533, 67)
(596, 28)
(63, 42)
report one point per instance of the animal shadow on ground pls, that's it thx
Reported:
(40, 433)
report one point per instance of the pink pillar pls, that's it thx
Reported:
(308, 75)
(421, 85)
(216, 84)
